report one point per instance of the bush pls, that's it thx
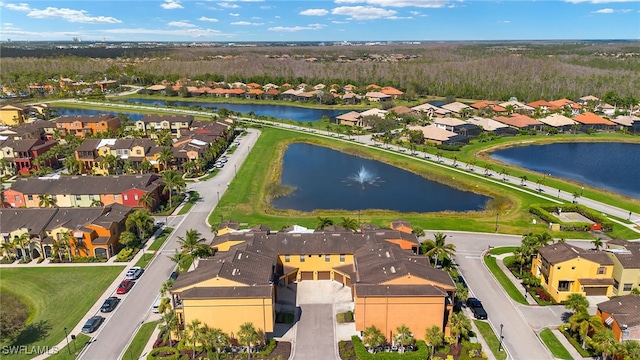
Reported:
(544, 212)
(165, 352)
(421, 353)
(126, 254)
(345, 317)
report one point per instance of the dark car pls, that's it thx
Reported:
(173, 276)
(477, 309)
(92, 324)
(110, 304)
(125, 286)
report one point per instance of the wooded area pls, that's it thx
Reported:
(495, 71)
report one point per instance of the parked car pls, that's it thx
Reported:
(125, 286)
(134, 273)
(92, 324)
(173, 276)
(110, 304)
(477, 309)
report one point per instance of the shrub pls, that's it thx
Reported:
(126, 254)
(542, 295)
(421, 353)
(165, 352)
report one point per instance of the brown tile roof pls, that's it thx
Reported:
(629, 257)
(625, 309)
(89, 145)
(170, 118)
(561, 252)
(517, 120)
(229, 292)
(35, 220)
(596, 281)
(399, 290)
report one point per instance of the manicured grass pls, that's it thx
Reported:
(134, 351)
(75, 346)
(210, 175)
(504, 281)
(160, 239)
(144, 260)
(57, 296)
(232, 149)
(193, 197)
(554, 345)
(502, 250)
(576, 345)
(490, 338)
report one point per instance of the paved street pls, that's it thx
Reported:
(113, 336)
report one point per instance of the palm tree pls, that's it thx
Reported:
(520, 256)
(434, 337)
(148, 201)
(109, 162)
(523, 180)
(9, 250)
(165, 157)
(604, 343)
(193, 334)
(437, 247)
(373, 337)
(215, 339)
(404, 335)
(576, 195)
(576, 303)
(169, 324)
(47, 200)
(96, 203)
(460, 326)
(597, 243)
(580, 322)
(543, 239)
(141, 220)
(248, 335)
(166, 286)
(24, 242)
(172, 181)
(349, 223)
(73, 166)
(191, 241)
(177, 257)
(145, 166)
(323, 222)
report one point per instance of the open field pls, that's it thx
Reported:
(57, 297)
(246, 202)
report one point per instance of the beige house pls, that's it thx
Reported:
(626, 265)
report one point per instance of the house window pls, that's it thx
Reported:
(29, 197)
(564, 285)
(301, 258)
(573, 268)
(138, 152)
(78, 197)
(602, 270)
(126, 197)
(287, 258)
(135, 196)
(116, 197)
(90, 196)
(626, 287)
(327, 258)
(16, 198)
(342, 258)
(559, 267)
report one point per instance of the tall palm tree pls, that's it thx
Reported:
(141, 220)
(460, 326)
(145, 166)
(193, 334)
(109, 162)
(434, 337)
(215, 339)
(576, 303)
(24, 242)
(248, 335)
(172, 181)
(520, 256)
(194, 244)
(177, 257)
(47, 200)
(165, 157)
(349, 223)
(9, 249)
(323, 222)
(404, 335)
(597, 243)
(148, 201)
(581, 322)
(604, 343)
(437, 247)
(169, 324)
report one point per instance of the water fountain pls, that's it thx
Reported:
(364, 177)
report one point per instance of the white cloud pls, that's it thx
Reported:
(363, 12)
(504, 22)
(195, 33)
(246, 23)
(226, 5)
(171, 4)
(604, 11)
(204, 18)
(18, 7)
(399, 3)
(314, 12)
(70, 15)
(234, 14)
(297, 28)
(599, 1)
(340, 22)
(414, 13)
(181, 24)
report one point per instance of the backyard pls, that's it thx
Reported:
(57, 298)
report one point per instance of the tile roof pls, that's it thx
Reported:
(87, 118)
(625, 309)
(517, 120)
(561, 252)
(399, 290)
(455, 106)
(229, 292)
(35, 219)
(85, 185)
(170, 118)
(432, 132)
(588, 118)
(486, 124)
(629, 256)
(557, 120)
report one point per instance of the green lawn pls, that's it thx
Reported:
(490, 338)
(504, 281)
(58, 297)
(502, 250)
(554, 345)
(190, 203)
(134, 351)
(75, 347)
(160, 239)
(144, 260)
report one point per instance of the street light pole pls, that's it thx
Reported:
(218, 192)
(497, 213)
(501, 338)
(67, 337)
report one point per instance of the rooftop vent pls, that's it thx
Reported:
(393, 270)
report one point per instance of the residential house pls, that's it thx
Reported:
(457, 108)
(587, 99)
(591, 121)
(352, 118)
(350, 98)
(566, 104)
(240, 282)
(431, 110)
(520, 122)
(83, 191)
(22, 154)
(83, 125)
(39, 129)
(516, 105)
(227, 226)
(629, 122)
(565, 269)
(155, 89)
(271, 94)
(376, 96)
(487, 107)
(153, 123)
(18, 222)
(290, 94)
(13, 114)
(492, 126)
(402, 111)
(559, 121)
(374, 112)
(391, 91)
(622, 316)
(254, 94)
(626, 265)
(542, 106)
(458, 126)
(435, 135)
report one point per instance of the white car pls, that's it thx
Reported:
(134, 273)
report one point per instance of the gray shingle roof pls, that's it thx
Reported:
(625, 309)
(84, 185)
(561, 252)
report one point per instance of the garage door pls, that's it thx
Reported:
(306, 275)
(324, 275)
(595, 291)
(338, 277)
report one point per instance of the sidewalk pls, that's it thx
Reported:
(567, 345)
(512, 278)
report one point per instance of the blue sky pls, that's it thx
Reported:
(338, 20)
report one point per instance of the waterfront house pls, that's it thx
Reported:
(13, 114)
(558, 121)
(376, 96)
(520, 122)
(436, 135)
(492, 126)
(629, 122)
(83, 125)
(352, 118)
(591, 121)
(431, 110)
(152, 124)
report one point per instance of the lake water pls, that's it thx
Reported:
(75, 111)
(277, 111)
(329, 179)
(610, 166)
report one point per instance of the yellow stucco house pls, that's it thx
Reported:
(11, 115)
(564, 269)
(626, 265)
(382, 267)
